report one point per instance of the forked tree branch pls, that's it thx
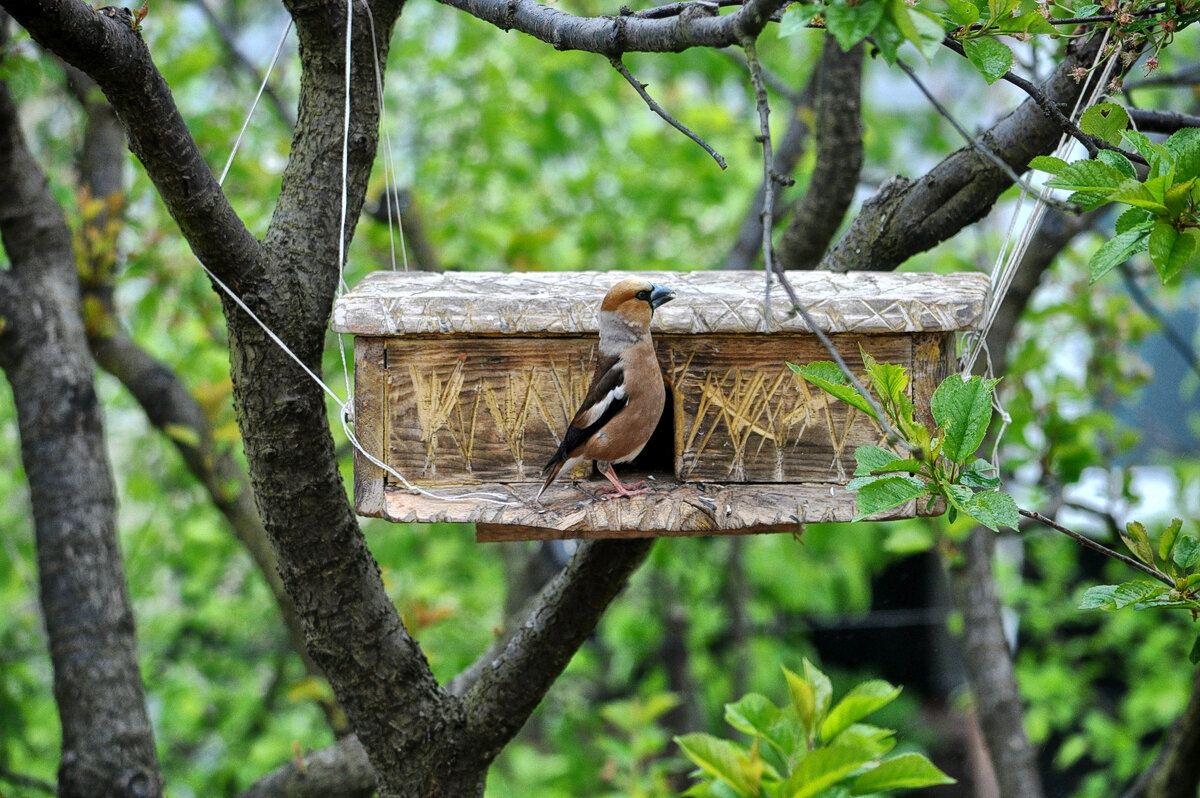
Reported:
(839, 137)
(613, 36)
(910, 216)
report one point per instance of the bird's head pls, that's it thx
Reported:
(635, 299)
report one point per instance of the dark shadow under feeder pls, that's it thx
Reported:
(464, 381)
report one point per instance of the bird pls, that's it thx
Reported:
(625, 398)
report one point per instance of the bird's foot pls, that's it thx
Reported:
(621, 490)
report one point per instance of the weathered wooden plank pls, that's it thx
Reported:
(370, 423)
(742, 416)
(708, 302)
(577, 509)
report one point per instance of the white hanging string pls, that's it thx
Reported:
(238, 141)
(1012, 253)
(345, 407)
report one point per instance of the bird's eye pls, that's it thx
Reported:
(643, 295)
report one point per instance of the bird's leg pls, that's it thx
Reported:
(619, 489)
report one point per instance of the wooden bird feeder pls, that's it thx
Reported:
(464, 382)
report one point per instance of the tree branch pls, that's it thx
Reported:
(103, 44)
(510, 679)
(910, 216)
(1176, 770)
(640, 88)
(839, 158)
(342, 769)
(1149, 121)
(990, 668)
(612, 36)
(107, 741)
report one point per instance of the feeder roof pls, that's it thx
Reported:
(389, 303)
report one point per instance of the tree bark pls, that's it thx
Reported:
(107, 743)
(910, 216)
(839, 158)
(990, 670)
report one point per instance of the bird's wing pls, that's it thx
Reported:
(605, 398)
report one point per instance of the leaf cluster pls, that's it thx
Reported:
(941, 463)
(1161, 215)
(1178, 556)
(807, 747)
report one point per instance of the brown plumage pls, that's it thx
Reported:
(625, 399)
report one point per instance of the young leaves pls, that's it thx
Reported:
(1163, 219)
(943, 464)
(808, 747)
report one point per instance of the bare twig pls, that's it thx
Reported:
(640, 87)
(770, 266)
(773, 81)
(1088, 543)
(974, 142)
(769, 179)
(1092, 144)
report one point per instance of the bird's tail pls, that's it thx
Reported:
(551, 470)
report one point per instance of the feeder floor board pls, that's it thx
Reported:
(577, 509)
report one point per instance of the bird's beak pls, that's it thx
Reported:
(660, 295)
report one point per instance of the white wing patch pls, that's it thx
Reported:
(595, 411)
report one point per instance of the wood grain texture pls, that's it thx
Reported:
(742, 416)
(577, 509)
(564, 303)
(370, 423)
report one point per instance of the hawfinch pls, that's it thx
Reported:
(625, 400)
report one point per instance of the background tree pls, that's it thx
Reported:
(94, 277)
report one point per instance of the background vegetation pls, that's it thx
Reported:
(516, 156)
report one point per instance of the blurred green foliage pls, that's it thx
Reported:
(521, 157)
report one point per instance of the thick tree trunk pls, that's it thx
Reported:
(107, 744)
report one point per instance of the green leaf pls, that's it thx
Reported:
(822, 689)
(886, 493)
(850, 24)
(1166, 543)
(963, 410)
(1170, 250)
(1107, 121)
(804, 701)
(905, 771)
(1131, 218)
(1087, 175)
(873, 739)
(1159, 157)
(753, 713)
(873, 458)
(1142, 195)
(826, 375)
(1184, 146)
(861, 701)
(797, 16)
(1100, 597)
(822, 769)
(1138, 541)
(1048, 163)
(1119, 249)
(1117, 161)
(1136, 592)
(963, 12)
(993, 509)
(888, 379)
(721, 759)
(976, 476)
(990, 57)
(920, 27)
(1031, 22)
(1186, 552)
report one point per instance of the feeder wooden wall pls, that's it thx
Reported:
(464, 382)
